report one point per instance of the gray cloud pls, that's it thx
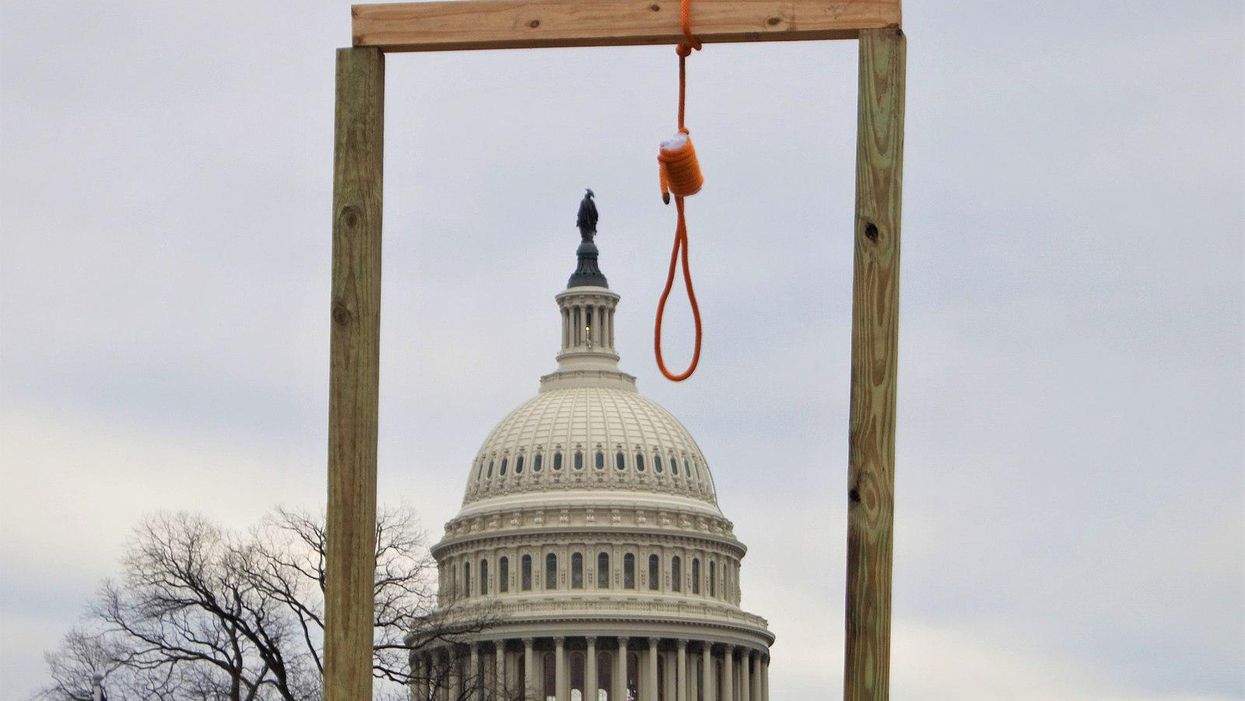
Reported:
(1069, 490)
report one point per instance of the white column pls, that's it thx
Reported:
(728, 674)
(590, 671)
(473, 674)
(706, 670)
(650, 688)
(745, 675)
(681, 673)
(561, 672)
(443, 676)
(765, 679)
(620, 672)
(499, 670)
(529, 669)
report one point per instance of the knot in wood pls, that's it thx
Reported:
(341, 314)
(350, 217)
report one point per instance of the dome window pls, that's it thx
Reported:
(676, 573)
(466, 580)
(620, 461)
(490, 469)
(525, 576)
(657, 463)
(503, 575)
(483, 577)
(599, 460)
(713, 578)
(518, 465)
(639, 462)
(654, 573)
(557, 461)
(501, 471)
(579, 459)
(603, 571)
(628, 571)
(674, 466)
(551, 571)
(577, 571)
(695, 575)
(538, 463)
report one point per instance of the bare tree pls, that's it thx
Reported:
(207, 614)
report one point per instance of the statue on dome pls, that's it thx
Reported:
(587, 220)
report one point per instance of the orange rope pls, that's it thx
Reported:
(680, 174)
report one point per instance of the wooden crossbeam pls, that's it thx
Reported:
(527, 24)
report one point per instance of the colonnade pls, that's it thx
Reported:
(540, 669)
(587, 325)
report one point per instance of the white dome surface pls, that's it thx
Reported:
(572, 441)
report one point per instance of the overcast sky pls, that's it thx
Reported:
(1070, 490)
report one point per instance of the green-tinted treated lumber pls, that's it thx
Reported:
(354, 364)
(875, 333)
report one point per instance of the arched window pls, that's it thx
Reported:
(525, 573)
(466, 579)
(577, 571)
(551, 571)
(538, 463)
(603, 571)
(639, 462)
(600, 460)
(480, 470)
(620, 461)
(490, 469)
(695, 575)
(628, 571)
(676, 573)
(657, 463)
(518, 465)
(674, 465)
(579, 459)
(713, 578)
(483, 577)
(502, 470)
(654, 572)
(503, 575)
(557, 461)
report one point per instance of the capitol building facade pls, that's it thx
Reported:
(591, 539)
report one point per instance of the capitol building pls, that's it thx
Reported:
(591, 538)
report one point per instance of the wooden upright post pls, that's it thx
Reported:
(875, 333)
(354, 362)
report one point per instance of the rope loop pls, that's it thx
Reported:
(680, 247)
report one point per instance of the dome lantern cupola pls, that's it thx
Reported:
(587, 356)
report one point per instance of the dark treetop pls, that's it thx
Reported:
(587, 274)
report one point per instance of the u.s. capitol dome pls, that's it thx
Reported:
(591, 538)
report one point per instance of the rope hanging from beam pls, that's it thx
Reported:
(680, 175)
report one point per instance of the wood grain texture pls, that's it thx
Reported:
(520, 24)
(875, 334)
(354, 362)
